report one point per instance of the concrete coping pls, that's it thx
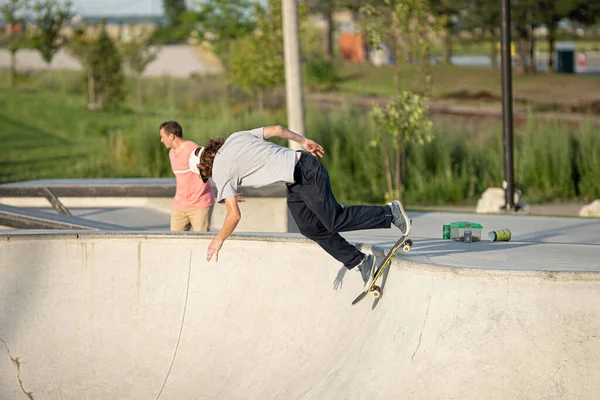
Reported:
(399, 262)
(118, 187)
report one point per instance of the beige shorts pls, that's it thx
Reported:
(198, 219)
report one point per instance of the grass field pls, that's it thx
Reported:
(51, 134)
(541, 91)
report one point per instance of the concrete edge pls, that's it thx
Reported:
(398, 262)
(430, 268)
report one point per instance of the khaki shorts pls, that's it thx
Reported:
(198, 219)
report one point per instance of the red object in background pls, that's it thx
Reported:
(16, 29)
(352, 47)
(581, 60)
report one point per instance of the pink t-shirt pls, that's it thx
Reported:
(190, 191)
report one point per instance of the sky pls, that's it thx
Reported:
(117, 7)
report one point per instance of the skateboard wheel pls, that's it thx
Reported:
(406, 248)
(376, 291)
(409, 242)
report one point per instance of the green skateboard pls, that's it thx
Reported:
(403, 243)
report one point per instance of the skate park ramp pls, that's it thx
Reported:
(144, 316)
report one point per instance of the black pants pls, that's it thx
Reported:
(320, 217)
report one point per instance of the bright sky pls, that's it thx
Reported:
(117, 7)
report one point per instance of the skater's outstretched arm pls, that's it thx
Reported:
(231, 220)
(279, 131)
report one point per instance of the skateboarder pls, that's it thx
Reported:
(248, 158)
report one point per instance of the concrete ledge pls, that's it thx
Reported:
(126, 187)
(26, 219)
(265, 208)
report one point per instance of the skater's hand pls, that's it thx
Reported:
(339, 279)
(313, 148)
(239, 197)
(213, 249)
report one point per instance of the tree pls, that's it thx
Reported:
(403, 120)
(174, 9)
(448, 9)
(103, 65)
(137, 54)
(80, 46)
(11, 11)
(221, 22)
(586, 12)
(406, 26)
(325, 8)
(108, 71)
(257, 62)
(484, 16)
(551, 12)
(522, 14)
(50, 18)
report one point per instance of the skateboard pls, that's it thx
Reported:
(403, 243)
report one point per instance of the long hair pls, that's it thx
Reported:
(208, 156)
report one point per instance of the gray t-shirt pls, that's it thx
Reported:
(247, 159)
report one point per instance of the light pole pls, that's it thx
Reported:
(293, 70)
(507, 111)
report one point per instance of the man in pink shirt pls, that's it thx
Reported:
(194, 199)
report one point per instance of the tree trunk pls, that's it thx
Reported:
(13, 69)
(329, 39)
(493, 51)
(140, 94)
(448, 46)
(532, 67)
(388, 171)
(522, 51)
(551, 43)
(398, 182)
(427, 74)
(91, 91)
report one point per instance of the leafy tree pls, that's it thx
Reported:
(103, 65)
(12, 12)
(522, 14)
(403, 120)
(80, 46)
(484, 16)
(174, 9)
(50, 18)
(257, 61)
(448, 10)
(550, 13)
(138, 54)
(406, 26)
(221, 22)
(107, 65)
(326, 8)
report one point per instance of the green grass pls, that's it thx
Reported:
(542, 91)
(49, 134)
(53, 135)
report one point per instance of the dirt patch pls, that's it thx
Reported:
(481, 95)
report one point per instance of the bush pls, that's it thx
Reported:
(320, 74)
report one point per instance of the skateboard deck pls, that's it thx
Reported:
(403, 243)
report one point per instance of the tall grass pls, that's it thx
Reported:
(51, 134)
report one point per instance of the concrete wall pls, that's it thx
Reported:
(140, 316)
